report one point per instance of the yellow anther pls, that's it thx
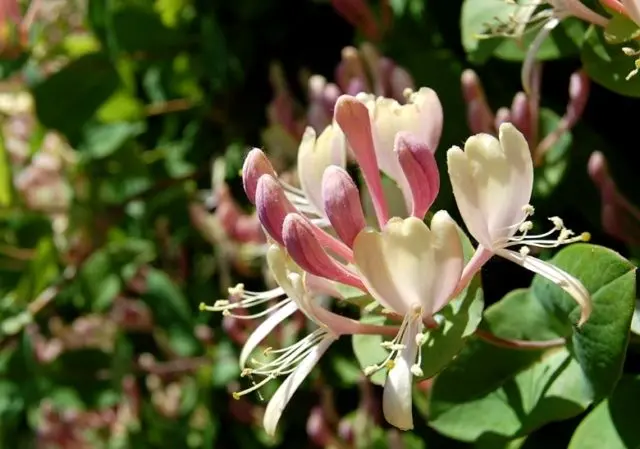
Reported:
(585, 236)
(390, 364)
(236, 395)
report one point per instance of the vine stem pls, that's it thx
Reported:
(519, 344)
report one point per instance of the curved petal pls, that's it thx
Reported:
(397, 403)
(450, 259)
(561, 278)
(264, 329)
(408, 266)
(492, 181)
(314, 156)
(466, 194)
(285, 392)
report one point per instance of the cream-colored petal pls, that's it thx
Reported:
(314, 156)
(466, 194)
(518, 154)
(285, 392)
(449, 259)
(501, 172)
(407, 265)
(397, 400)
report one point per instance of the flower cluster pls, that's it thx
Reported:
(321, 238)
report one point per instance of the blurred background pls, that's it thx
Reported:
(124, 127)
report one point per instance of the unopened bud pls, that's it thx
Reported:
(255, 165)
(272, 205)
(521, 115)
(342, 204)
(318, 428)
(419, 166)
(303, 247)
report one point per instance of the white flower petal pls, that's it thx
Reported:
(492, 181)
(314, 156)
(397, 401)
(264, 329)
(407, 265)
(465, 192)
(283, 394)
(561, 278)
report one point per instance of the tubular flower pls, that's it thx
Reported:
(297, 361)
(411, 270)
(314, 155)
(492, 183)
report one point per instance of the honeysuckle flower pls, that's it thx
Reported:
(525, 110)
(492, 183)
(411, 270)
(297, 360)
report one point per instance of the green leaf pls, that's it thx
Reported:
(138, 29)
(565, 40)
(480, 18)
(460, 318)
(507, 393)
(607, 65)
(87, 82)
(613, 424)
(620, 29)
(600, 345)
(103, 139)
(549, 175)
(475, 18)
(171, 311)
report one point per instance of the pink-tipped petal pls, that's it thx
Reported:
(272, 206)
(303, 247)
(255, 165)
(342, 204)
(353, 117)
(419, 166)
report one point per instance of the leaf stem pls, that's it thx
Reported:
(519, 344)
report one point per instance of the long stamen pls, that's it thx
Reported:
(289, 358)
(395, 346)
(239, 298)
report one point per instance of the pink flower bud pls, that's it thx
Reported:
(480, 117)
(579, 87)
(521, 115)
(419, 166)
(255, 165)
(350, 67)
(303, 247)
(359, 14)
(353, 117)
(342, 203)
(317, 427)
(400, 81)
(272, 205)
